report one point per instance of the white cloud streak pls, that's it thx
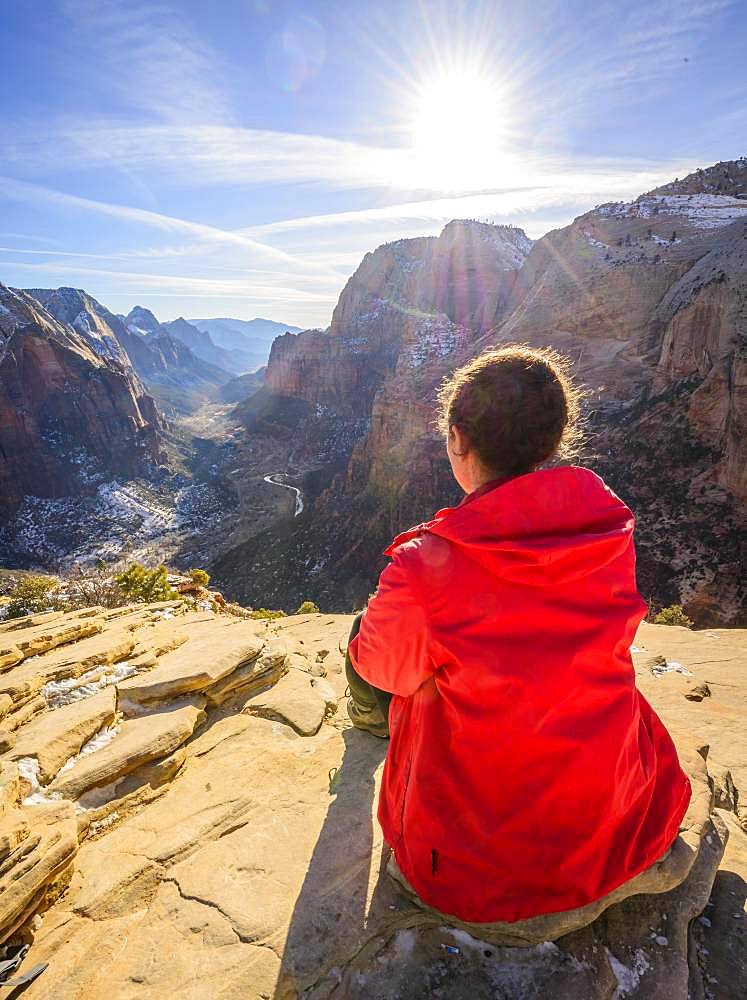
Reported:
(136, 281)
(613, 181)
(34, 193)
(205, 155)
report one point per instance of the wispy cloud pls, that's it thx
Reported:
(147, 55)
(137, 282)
(653, 40)
(221, 155)
(202, 155)
(34, 193)
(543, 188)
(25, 236)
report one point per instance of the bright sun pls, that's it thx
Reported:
(456, 128)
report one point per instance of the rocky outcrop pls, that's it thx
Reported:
(53, 738)
(728, 177)
(67, 411)
(102, 331)
(646, 297)
(246, 860)
(466, 274)
(142, 321)
(98, 705)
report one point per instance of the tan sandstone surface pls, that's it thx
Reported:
(202, 825)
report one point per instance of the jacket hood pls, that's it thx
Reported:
(543, 528)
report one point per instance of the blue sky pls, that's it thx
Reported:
(239, 157)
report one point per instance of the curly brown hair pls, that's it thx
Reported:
(518, 405)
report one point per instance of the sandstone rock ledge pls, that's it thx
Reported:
(185, 837)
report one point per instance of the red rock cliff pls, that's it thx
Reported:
(65, 411)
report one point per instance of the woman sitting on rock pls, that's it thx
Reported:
(526, 774)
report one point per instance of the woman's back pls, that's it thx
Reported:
(526, 774)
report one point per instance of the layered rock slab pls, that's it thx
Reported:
(196, 666)
(253, 675)
(57, 736)
(137, 742)
(41, 857)
(260, 873)
(293, 700)
(35, 637)
(28, 678)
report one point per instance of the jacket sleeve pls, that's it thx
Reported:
(391, 650)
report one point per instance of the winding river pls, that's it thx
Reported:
(274, 480)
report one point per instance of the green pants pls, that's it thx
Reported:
(365, 695)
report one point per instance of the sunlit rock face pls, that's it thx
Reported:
(67, 412)
(648, 298)
(408, 302)
(365, 387)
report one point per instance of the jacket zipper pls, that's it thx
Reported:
(404, 796)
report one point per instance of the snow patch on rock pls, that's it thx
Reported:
(60, 693)
(703, 211)
(97, 742)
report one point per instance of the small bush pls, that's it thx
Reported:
(264, 613)
(94, 587)
(32, 595)
(199, 577)
(308, 608)
(145, 585)
(673, 615)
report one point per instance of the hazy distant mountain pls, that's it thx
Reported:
(253, 335)
(233, 360)
(242, 387)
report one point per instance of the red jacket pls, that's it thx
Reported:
(526, 774)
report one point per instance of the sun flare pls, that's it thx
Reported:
(457, 125)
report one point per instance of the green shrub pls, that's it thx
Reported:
(145, 585)
(31, 595)
(673, 615)
(264, 613)
(199, 576)
(308, 608)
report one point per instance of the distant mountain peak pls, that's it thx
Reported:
(141, 320)
(250, 339)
